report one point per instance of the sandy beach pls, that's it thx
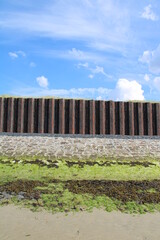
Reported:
(22, 224)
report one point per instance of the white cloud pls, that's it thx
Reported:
(16, 54)
(152, 58)
(124, 90)
(42, 81)
(85, 65)
(94, 71)
(146, 77)
(98, 69)
(91, 76)
(127, 90)
(74, 54)
(99, 21)
(21, 53)
(89, 93)
(32, 64)
(146, 57)
(156, 83)
(13, 55)
(79, 55)
(99, 98)
(149, 14)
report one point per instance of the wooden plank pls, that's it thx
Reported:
(112, 117)
(158, 118)
(61, 116)
(82, 117)
(140, 119)
(51, 116)
(1, 114)
(31, 115)
(10, 115)
(20, 124)
(41, 115)
(102, 117)
(71, 116)
(122, 118)
(149, 116)
(92, 117)
(131, 118)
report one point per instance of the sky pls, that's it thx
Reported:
(92, 49)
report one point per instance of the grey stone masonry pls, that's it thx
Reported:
(78, 146)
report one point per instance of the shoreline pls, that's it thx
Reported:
(20, 224)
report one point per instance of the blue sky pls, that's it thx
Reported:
(94, 49)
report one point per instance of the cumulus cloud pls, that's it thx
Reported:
(127, 90)
(152, 58)
(13, 55)
(149, 14)
(124, 90)
(42, 81)
(16, 54)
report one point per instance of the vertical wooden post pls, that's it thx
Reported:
(51, 116)
(31, 115)
(102, 117)
(122, 118)
(61, 116)
(20, 115)
(112, 117)
(41, 115)
(92, 117)
(10, 115)
(1, 113)
(131, 118)
(158, 118)
(82, 117)
(71, 116)
(149, 116)
(140, 119)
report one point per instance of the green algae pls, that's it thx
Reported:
(62, 187)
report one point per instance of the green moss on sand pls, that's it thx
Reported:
(56, 195)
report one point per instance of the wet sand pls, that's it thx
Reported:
(22, 224)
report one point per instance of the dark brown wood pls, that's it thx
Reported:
(61, 116)
(92, 117)
(158, 118)
(112, 117)
(31, 115)
(131, 118)
(102, 117)
(71, 116)
(82, 117)
(10, 115)
(1, 114)
(122, 118)
(149, 116)
(41, 115)
(20, 124)
(140, 119)
(79, 116)
(51, 116)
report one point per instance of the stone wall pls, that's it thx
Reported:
(79, 146)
